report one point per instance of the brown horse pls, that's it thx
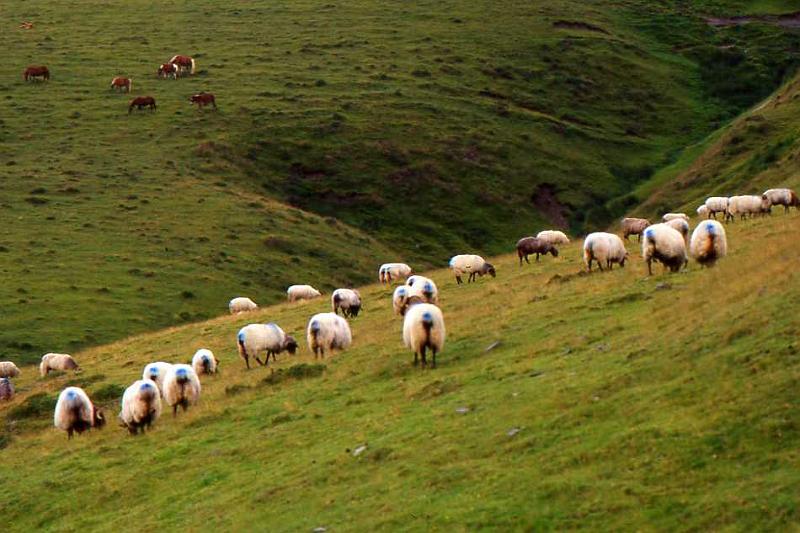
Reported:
(183, 63)
(123, 84)
(141, 102)
(203, 99)
(168, 69)
(34, 72)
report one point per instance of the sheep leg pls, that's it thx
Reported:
(589, 264)
(416, 358)
(259, 360)
(537, 257)
(69, 434)
(174, 410)
(247, 361)
(649, 267)
(458, 280)
(434, 358)
(424, 360)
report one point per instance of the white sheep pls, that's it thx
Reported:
(423, 329)
(157, 372)
(328, 331)
(473, 265)
(348, 300)
(204, 362)
(716, 204)
(423, 287)
(57, 361)
(6, 390)
(708, 243)
(141, 406)
(664, 244)
(389, 272)
(8, 370)
(181, 387)
(399, 299)
(669, 216)
(553, 237)
(703, 212)
(75, 412)
(302, 292)
(747, 205)
(785, 197)
(270, 338)
(605, 248)
(679, 225)
(241, 304)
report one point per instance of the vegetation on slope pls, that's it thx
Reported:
(612, 401)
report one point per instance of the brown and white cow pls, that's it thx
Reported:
(33, 72)
(203, 99)
(168, 69)
(141, 102)
(123, 84)
(183, 63)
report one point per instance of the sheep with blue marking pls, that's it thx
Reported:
(8, 370)
(57, 361)
(295, 293)
(346, 300)
(399, 299)
(181, 387)
(423, 330)
(204, 362)
(472, 265)
(241, 304)
(389, 272)
(157, 372)
(666, 245)
(328, 332)
(141, 406)
(709, 243)
(423, 287)
(270, 339)
(75, 412)
(604, 249)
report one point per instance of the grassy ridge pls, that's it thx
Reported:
(666, 402)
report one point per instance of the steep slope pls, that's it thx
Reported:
(612, 401)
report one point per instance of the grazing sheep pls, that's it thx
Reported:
(75, 412)
(181, 387)
(393, 271)
(141, 406)
(8, 370)
(747, 205)
(716, 204)
(256, 338)
(241, 305)
(6, 390)
(554, 237)
(204, 362)
(156, 372)
(708, 243)
(399, 299)
(703, 212)
(785, 197)
(533, 245)
(348, 300)
(664, 244)
(474, 265)
(605, 248)
(328, 331)
(634, 226)
(681, 226)
(57, 361)
(423, 329)
(670, 216)
(302, 292)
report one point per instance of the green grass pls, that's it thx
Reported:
(641, 403)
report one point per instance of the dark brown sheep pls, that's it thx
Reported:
(634, 226)
(531, 245)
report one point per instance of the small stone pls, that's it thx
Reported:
(320, 529)
(663, 286)
(462, 410)
(358, 451)
(492, 346)
(513, 431)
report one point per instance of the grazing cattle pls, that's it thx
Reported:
(123, 84)
(34, 72)
(183, 63)
(203, 99)
(168, 69)
(141, 102)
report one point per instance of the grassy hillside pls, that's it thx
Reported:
(423, 129)
(612, 401)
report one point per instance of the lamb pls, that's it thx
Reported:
(6, 390)
(141, 406)
(785, 197)
(348, 300)
(204, 362)
(716, 204)
(553, 237)
(241, 305)
(664, 244)
(747, 205)
(156, 372)
(392, 271)
(703, 211)
(474, 265)
(424, 288)
(423, 329)
(75, 412)
(57, 361)
(708, 243)
(634, 226)
(328, 331)
(681, 226)
(302, 292)
(181, 387)
(533, 245)
(8, 370)
(670, 216)
(605, 248)
(270, 338)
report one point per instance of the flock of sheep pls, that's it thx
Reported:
(416, 300)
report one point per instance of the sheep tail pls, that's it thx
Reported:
(242, 349)
(427, 324)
